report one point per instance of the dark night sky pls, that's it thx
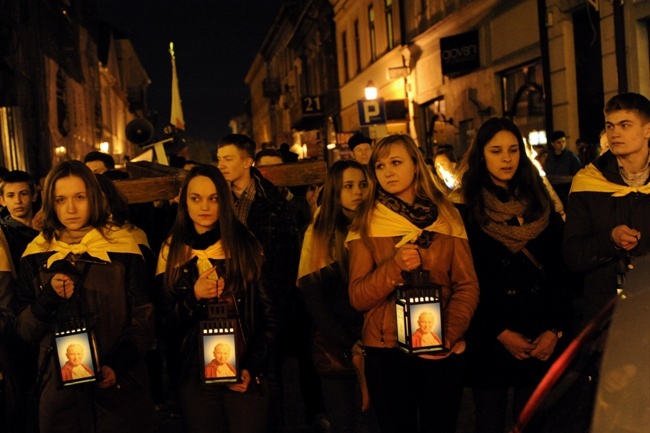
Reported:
(215, 42)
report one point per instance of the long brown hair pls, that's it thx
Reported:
(244, 253)
(97, 213)
(331, 224)
(425, 187)
(526, 184)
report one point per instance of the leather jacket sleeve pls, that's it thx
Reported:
(263, 317)
(34, 304)
(138, 335)
(370, 283)
(179, 308)
(182, 312)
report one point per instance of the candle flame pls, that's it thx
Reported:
(447, 176)
(532, 155)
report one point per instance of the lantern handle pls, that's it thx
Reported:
(418, 275)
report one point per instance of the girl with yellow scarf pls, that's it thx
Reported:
(211, 256)
(84, 267)
(408, 224)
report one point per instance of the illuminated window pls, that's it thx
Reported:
(390, 34)
(346, 65)
(371, 28)
(357, 45)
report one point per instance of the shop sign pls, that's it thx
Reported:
(311, 106)
(460, 54)
(371, 112)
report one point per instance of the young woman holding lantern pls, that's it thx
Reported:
(210, 257)
(405, 225)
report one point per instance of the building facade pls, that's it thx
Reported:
(371, 43)
(548, 64)
(65, 87)
(293, 81)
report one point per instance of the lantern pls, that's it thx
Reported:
(419, 315)
(219, 347)
(76, 353)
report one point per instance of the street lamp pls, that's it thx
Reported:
(371, 91)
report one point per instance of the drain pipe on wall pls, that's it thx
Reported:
(619, 40)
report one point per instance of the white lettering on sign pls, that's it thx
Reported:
(311, 104)
(370, 109)
(458, 54)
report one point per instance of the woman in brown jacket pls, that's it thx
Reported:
(410, 224)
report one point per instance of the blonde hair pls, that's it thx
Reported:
(425, 186)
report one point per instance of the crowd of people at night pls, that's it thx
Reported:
(111, 311)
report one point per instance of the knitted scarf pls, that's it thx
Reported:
(499, 213)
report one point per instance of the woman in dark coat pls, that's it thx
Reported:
(323, 279)
(210, 256)
(516, 239)
(84, 267)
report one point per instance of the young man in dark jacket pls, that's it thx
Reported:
(268, 215)
(18, 360)
(18, 193)
(608, 216)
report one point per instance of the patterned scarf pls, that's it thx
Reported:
(514, 238)
(422, 214)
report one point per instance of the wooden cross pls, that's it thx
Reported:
(150, 181)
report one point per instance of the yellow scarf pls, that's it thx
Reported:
(386, 223)
(214, 251)
(306, 265)
(5, 257)
(592, 180)
(117, 241)
(138, 234)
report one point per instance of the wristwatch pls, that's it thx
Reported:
(557, 332)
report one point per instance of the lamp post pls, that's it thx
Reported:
(371, 91)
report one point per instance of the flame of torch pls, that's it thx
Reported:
(532, 155)
(447, 176)
(559, 207)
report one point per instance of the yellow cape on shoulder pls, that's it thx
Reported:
(117, 240)
(5, 256)
(590, 179)
(387, 223)
(214, 251)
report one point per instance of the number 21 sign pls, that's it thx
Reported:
(311, 106)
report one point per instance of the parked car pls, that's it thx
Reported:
(601, 382)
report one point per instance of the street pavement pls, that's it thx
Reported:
(294, 409)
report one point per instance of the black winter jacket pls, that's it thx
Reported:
(518, 296)
(272, 220)
(181, 313)
(326, 297)
(113, 300)
(588, 247)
